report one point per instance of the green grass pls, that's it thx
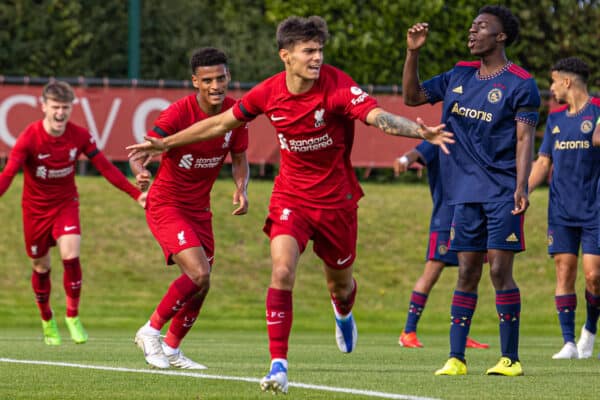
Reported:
(125, 276)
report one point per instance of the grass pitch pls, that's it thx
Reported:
(124, 277)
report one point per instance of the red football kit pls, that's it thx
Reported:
(50, 201)
(178, 204)
(316, 192)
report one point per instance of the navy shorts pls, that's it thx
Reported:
(483, 226)
(438, 248)
(567, 239)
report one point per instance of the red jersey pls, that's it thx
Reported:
(186, 174)
(315, 132)
(49, 166)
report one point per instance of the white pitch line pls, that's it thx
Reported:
(368, 393)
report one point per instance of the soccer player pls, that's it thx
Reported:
(437, 256)
(48, 151)
(573, 202)
(178, 206)
(491, 107)
(312, 107)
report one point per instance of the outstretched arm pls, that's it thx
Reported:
(525, 135)
(396, 125)
(215, 126)
(412, 93)
(114, 176)
(241, 174)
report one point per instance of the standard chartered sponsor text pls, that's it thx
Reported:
(211, 162)
(312, 144)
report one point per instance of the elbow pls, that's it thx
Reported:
(410, 99)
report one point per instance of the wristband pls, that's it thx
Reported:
(403, 160)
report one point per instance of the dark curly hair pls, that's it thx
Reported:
(298, 29)
(510, 23)
(207, 57)
(573, 65)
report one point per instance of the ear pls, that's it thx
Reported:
(284, 54)
(501, 37)
(195, 82)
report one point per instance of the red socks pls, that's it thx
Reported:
(72, 285)
(180, 291)
(41, 287)
(279, 321)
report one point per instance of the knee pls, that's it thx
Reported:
(202, 280)
(340, 289)
(592, 279)
(282, 277)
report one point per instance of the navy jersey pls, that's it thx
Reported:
(576, 165)
(441, 213)
(482, 112)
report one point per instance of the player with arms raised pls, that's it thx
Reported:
(312, 107)
(48, 151)
(491, 105)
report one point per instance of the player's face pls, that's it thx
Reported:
(485, 34)
(211, 83)
(57, 114)
(304, 59)
(559, 87)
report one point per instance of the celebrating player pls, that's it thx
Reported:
(312, 107)
(491, 106)
(437, 256)
(49, 150)
(178, 205)
(573, 202)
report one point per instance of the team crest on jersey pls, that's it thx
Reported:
(227, 139)
(319, 121)
(586, 126)
(72, 154)
(494, 95)
(442, 249)
(555, 130)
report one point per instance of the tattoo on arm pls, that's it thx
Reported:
(397, 125)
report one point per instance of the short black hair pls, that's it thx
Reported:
(510, 23)
(207, 57)
(573, 65)
(298, 29)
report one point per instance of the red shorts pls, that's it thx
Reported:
(42, 229)
(333, 231)
(176, 230)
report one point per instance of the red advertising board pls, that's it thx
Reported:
(118, 116)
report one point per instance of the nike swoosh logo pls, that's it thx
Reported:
(274, 322)
(274, 118)
(42, 156)
(70, 228)
(342, 262)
